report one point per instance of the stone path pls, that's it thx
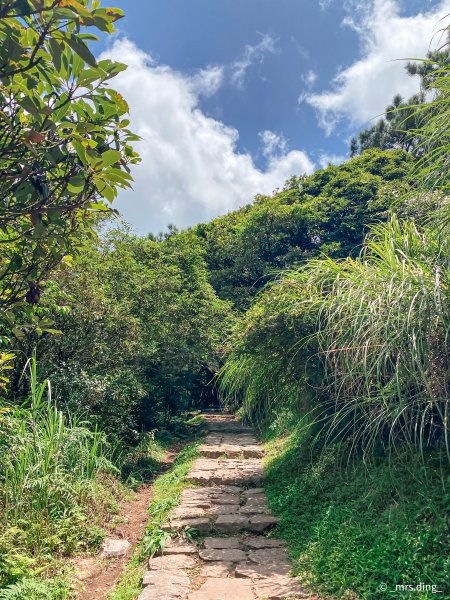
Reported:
(233, 559)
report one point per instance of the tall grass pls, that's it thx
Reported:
(53, 483)
(362, 343)
(383, 331)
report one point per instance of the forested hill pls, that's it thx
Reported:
(145, 322)
(328, 212)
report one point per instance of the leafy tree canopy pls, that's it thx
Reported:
(64, 141)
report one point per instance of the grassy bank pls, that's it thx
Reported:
(166, 495)
(353, 529)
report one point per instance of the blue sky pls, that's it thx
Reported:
(232, 97)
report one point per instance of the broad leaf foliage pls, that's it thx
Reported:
(64, 137)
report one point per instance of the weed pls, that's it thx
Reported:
(56, 484)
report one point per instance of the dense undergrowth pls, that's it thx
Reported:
(58, 484)
(355, 527)
(344, 366)
(361, 343)
(61, 480)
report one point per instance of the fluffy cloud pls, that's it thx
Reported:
(273, 144)
(310, 78)
(207, 81)
(362, 91)
(190, 170)
(324, 4)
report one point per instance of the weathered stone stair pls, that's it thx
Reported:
(233, 559)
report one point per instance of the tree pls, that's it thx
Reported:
(64, 139)
(141, 330)
(402, 118)
(394, 130)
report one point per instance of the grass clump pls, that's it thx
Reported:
(361, 343)
(353, 527)
(56, 485)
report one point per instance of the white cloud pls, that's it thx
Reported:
(361, 91)
(324, 4)
(207, 81)
(252, 55)
(273, 144)
(190, 170)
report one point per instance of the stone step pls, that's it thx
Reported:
(231, 451)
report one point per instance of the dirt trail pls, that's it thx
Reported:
(232, 559)
(96, 576)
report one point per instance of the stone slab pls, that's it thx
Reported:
(280, 588)
(254, 571)
(202, 525)
(165, 585)
(260, 541)
(228, 489)
(231, 523)
(269, 555)
(188, 549)
(261, 523)
(224, 588)
(219, 569)
(233, 555)
(253, 492)
(171, 562)
(224, 509)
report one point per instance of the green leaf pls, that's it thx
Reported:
(112, 68)
(80, 48)
(29, 106)
(79, 149)
(99, 206)
(15, 263)
(77, 8)
(54, 216)
(76, 183)
(23, 7)
(106, 190)
(110, 157)
(55, 52)
(39, 229)
(52, 331)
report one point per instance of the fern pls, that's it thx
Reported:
(30, 589)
